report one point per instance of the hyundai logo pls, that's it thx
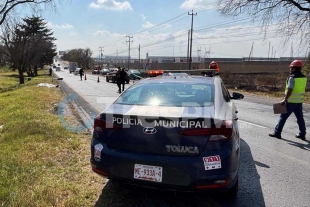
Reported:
(149, 130)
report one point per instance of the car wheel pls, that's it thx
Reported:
(232, 193)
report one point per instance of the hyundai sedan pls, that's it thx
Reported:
(170, 132)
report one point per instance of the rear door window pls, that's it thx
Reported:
(169, 94)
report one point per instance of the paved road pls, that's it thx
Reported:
(273, 172)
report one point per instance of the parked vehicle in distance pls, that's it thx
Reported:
(111, 76)
(65, 68)
(134, 74)
(72, 66)
(95, 71)
(104, 71)
(77, 71)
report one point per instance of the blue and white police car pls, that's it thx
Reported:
(170, 132)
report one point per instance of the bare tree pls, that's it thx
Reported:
(81, 56)
(9, 6)
(28, 45)
(291, 17)
(15, 43)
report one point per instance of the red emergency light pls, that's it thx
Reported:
(153, 73)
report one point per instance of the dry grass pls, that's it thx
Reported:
(41, 162)
(265, 85)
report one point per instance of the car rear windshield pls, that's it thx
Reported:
(169, 94)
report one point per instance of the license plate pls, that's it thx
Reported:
(148, 172)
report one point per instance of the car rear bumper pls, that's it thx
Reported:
(179, 173)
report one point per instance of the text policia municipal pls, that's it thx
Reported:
(160, 123)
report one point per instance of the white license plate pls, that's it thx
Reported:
(148, 172)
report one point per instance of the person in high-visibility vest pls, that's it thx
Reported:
(294, 96)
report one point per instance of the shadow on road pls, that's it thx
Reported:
(250, 190)
(116, 194)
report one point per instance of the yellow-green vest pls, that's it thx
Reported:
(298, 92)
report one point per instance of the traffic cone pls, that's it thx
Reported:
(85, 77)
(98, 79)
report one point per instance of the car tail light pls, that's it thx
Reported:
(223, 132)
(100, 125)
(215, 184)
(195, 132)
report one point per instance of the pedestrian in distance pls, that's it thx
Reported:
(51, 71)
(81, 71)
(121, 76)
(118, 79)
(294, 97)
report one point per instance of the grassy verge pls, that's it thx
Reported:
(41, 162)
(8, 80)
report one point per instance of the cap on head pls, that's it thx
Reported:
(295, 63)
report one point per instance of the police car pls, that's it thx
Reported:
(170, 132)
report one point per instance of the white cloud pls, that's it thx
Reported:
(143, 17)
(63, 26)
(148, 25)
(111, 5)
(194, 4)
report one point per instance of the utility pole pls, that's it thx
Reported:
(251, 52)
(129, 41)
(292, 53)
(139, 54)
(101, 49)
(190, 53)
(268, 50)
(187, 60)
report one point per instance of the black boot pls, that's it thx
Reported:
(301, 136)
(273, 134)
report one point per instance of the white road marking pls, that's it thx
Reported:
(253, 124)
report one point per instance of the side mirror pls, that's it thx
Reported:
(237, 96)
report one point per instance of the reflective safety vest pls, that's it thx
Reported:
(298, 92)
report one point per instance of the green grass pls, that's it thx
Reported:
(8, 80)
(42, 163)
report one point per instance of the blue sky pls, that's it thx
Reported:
(160, 27)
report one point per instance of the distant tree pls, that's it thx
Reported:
(15, 43)
(81, 56)
(28, 45)
(290, 16)
(9, 6)
(306, 67)
(3, 58)
(40, 43)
